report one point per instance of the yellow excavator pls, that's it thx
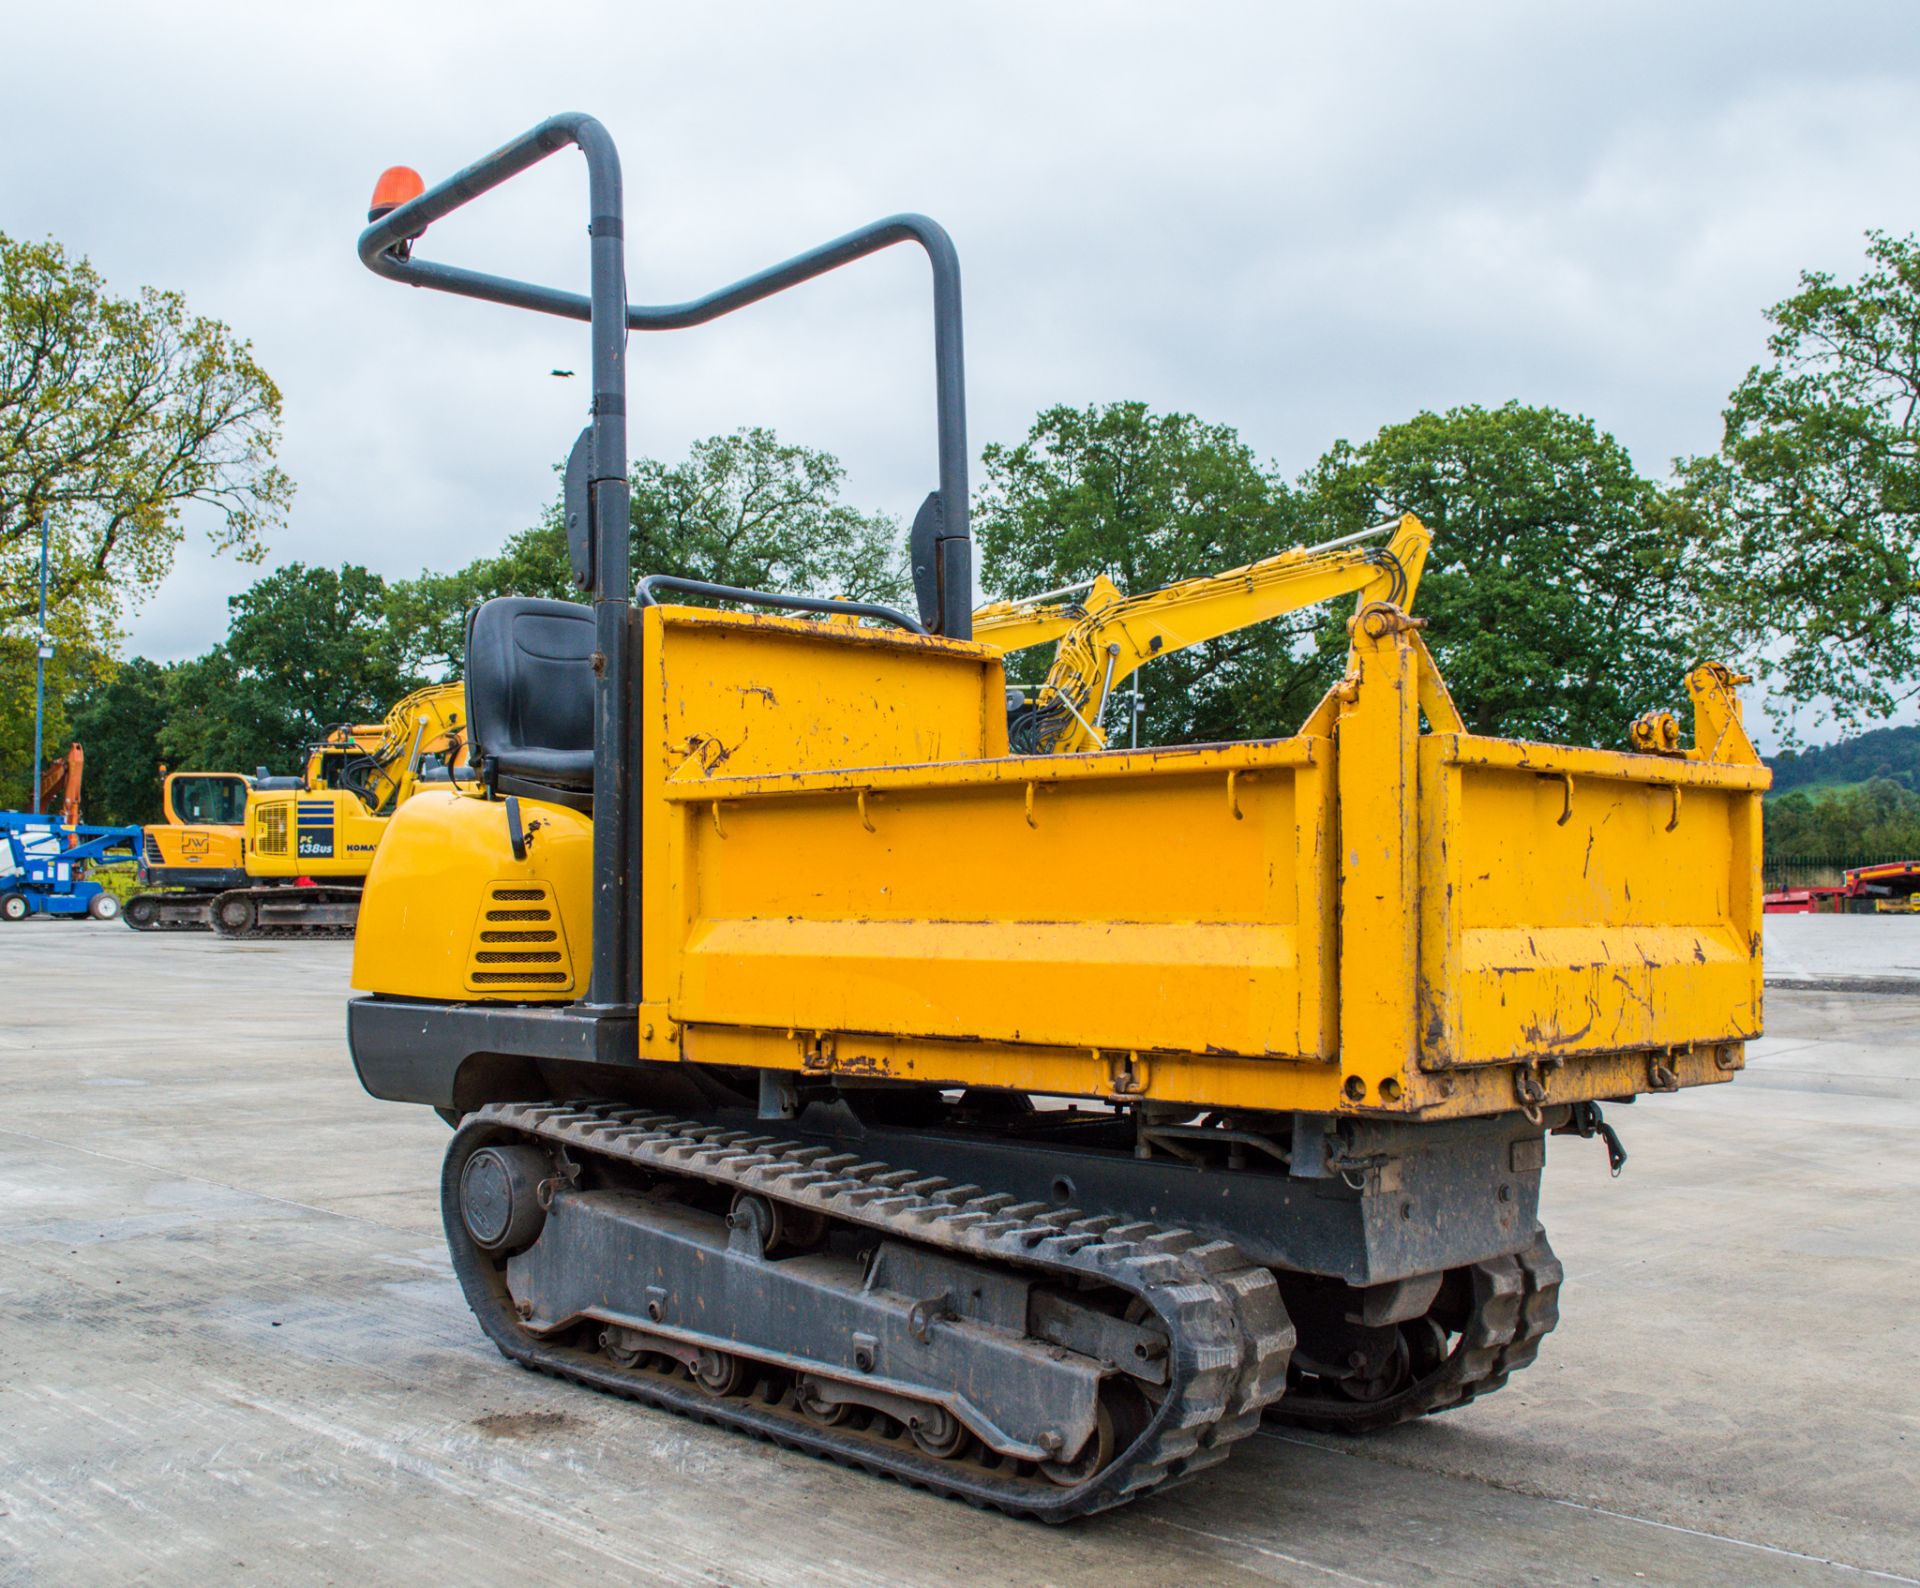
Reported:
(816, 1071)
(1104, 637)
(286, 856)
(194, 852)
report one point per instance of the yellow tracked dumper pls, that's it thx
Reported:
(1024, 1127)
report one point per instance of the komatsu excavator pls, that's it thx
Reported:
(817, 1072)
(1103, 638)
(286, 857)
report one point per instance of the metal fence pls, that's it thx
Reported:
(1817, 871)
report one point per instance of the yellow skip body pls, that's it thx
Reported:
(843, 871)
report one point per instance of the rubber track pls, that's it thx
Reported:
(205, 925)
(1516, 1303)
(1228, 1331)
(258, 933)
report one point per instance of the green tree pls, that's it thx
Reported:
(311, 647)
(117, 416)
(119, 721)
(1149, 499)
(742, 509)
(749, 509)
(219, 721)
(306, 648)
(1554, 593)
(78, 663)
(1813, 500)
(1879, 817)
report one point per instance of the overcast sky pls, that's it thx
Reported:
(1303, 221)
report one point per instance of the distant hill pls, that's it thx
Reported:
(1882, 752)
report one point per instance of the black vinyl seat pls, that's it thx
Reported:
(530, 698)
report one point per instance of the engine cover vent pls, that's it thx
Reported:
(518, 945)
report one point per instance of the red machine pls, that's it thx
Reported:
(60, 787)
(1889, 887)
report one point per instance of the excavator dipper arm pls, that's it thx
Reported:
(1109, 643)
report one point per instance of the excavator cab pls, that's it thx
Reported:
(205, 799)
(816, 1071)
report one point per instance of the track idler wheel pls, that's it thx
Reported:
(500, 1202)
(234, 915)
(1486, 1322)
(1106, 1442)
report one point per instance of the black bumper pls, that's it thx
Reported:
(411, 1051)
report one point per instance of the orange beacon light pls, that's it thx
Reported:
(398, 184)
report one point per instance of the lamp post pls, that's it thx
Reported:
(43, 650)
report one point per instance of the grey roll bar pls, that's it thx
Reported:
(941, 547)
(769, 598)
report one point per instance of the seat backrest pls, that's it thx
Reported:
(529, 677)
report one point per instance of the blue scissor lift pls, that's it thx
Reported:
(49, 861)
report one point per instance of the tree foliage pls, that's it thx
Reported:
(307, 647)
(1150, 499)
(120, 720)
(1881, 753)
(1879, 817)
(742, 509)
(1553, 592)
(1813, 500)
(116, 415)
(79, 662)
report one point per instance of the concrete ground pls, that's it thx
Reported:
(230, 1345)
(1817, 951)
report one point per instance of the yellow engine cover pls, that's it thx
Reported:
(448, 912)
(322, 833)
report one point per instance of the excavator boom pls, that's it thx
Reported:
(1042, 619)
(1109, 641)
(390, 753)
(60, 787)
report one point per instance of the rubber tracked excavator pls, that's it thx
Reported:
(816, 1071)
(193, 853)
(287, 856)
(1104, 638)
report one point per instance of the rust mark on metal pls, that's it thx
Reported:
(1556, 1038)
(1643, 999)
